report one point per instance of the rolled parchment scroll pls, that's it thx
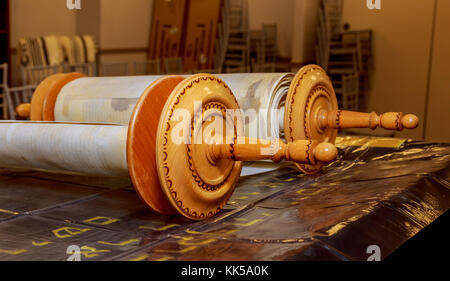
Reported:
(112, 99)
(190, 176)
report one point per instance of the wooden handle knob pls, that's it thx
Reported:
(23, 110)
(343, 119)
(299, 151)
(410, 121)
(325, 152)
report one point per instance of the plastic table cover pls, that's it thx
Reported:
(379, 192)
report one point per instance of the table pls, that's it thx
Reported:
(381, 191)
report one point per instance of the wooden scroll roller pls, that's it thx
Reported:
(311, 112)
(194, 177)
(23, 110)
(75, 97)
(309, 107)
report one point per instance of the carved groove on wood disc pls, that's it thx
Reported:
(173, 193)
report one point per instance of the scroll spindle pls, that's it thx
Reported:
(23, 110)
(343, 119)
(300, 151)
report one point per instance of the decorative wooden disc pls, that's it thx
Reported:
(141, 143)
(44, 97)
(197, 187)
(310, 92)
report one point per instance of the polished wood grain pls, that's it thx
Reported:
(142, 140)
(299, 151)
(44, 97)
(23, 110)
(199, 170)
(37, 100)
(312, 113)
(195, 187)
(48, 111)
(343, 119)
(311, 91)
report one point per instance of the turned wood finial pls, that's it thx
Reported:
(299, 151)
(410, 121)
(312, 112)
(325, 152)
(343, 119)
(23, 110)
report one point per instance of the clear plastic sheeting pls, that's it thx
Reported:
(380, 192)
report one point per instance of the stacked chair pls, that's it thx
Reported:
(270, 43)
(238, 51)
(16, 96)
(90, 68)
(34, 74)
(3, 89)
(42, 56)
(114, 69)
(249, 50)
(221, 43)
(345, 55)
(264, 49)
(149, 67)
(237, 56)
(173, 65)
(10, 98)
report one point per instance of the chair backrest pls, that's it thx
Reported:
(211, 71)
(114, 69)
(3, 86)
(263, 68)
(35, 74)
(16, 96)
(149, 67)
(270, 42)
(90, 68)
(4, 74)
(270, 32)
(332, 10)
(350, 92)
(173, 65)
(240, 69)
(258, 46)
(329, 28)
(238, 50)
(238, 15)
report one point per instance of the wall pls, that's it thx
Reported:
(128, 26)
(118, 24)
(88, 18)
(35, 18)
(125, 27)
(114, 23)
(438, 109)
(402, 44)
(402, 33)
(305, 17)
(269, 12)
